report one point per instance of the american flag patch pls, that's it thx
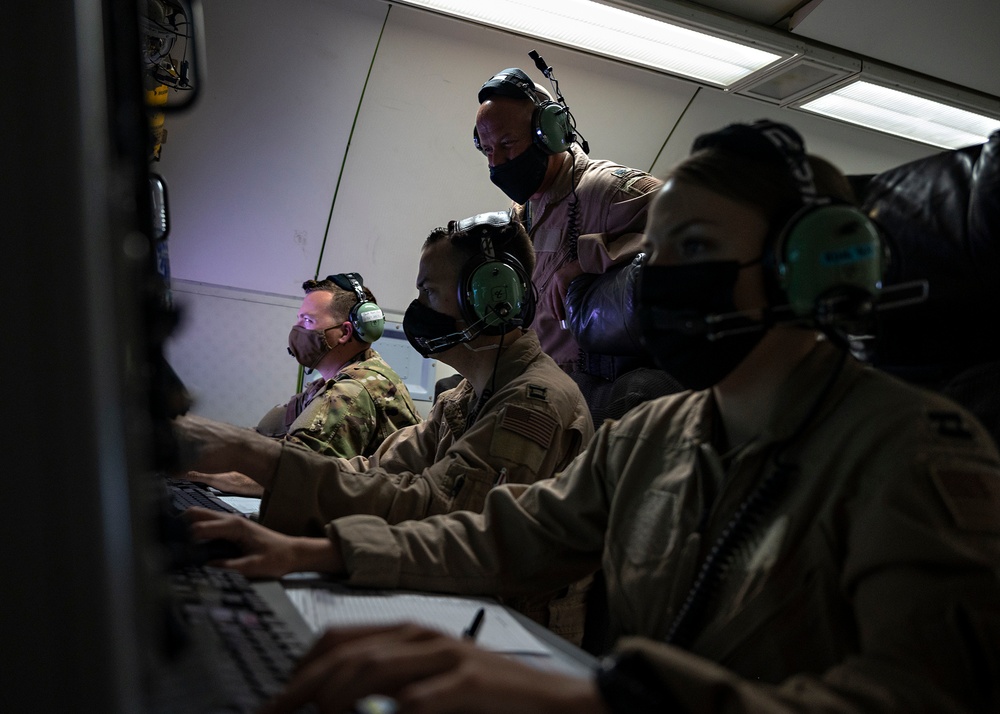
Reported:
(528, 423)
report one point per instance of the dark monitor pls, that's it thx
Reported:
(87, 396)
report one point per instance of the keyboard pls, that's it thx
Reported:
(251, 634)
(184, 494)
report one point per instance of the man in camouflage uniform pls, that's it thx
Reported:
(357, 401)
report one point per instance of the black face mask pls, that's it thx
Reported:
(677, 307)
(430, 331)
(520, 177)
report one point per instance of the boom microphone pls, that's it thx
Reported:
(547, 71)
(839, 309)
(540, 63)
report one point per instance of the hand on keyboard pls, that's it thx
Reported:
(265, 553)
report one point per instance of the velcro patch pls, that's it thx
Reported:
(531, 424)
(537, 392)
(949, 424)
(972, 496)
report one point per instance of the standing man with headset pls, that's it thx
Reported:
(515, 417)
(359, 399)
(583, 215)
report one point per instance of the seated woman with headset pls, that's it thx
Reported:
(796, 532)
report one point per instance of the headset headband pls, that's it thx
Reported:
(493, 220)
(511, 82)
(350, 281)
(766, 140)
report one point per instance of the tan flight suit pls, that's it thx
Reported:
(533, 425)
(870, 581)
(348, 415)
(611, 216)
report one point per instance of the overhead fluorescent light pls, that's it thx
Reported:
(904, 114)
(720, 50)
(619, 34)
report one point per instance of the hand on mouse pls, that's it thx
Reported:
(266, 553)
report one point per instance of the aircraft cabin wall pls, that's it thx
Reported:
(333, 135)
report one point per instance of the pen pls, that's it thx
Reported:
(473, 629)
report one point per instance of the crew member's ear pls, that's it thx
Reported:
(347, 334)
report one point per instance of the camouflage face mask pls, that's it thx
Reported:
(308, 346)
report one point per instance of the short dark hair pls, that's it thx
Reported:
(511, 238)
(343, 300)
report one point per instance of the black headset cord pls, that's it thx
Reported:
(749, 514)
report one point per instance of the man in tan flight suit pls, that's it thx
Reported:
(584, 215)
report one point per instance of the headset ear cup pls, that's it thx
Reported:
(829, 249)
(368, 321)
(496, 292)
(551, 127)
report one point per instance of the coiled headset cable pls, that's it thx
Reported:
(750, 513)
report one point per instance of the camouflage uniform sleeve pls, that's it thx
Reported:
(338, 422)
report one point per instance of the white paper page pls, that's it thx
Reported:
(499, 632)
(244, 504)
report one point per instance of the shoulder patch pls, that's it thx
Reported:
(949, 424)
(529, 423)
(634, 182)
(536, 392)
(972, 496)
